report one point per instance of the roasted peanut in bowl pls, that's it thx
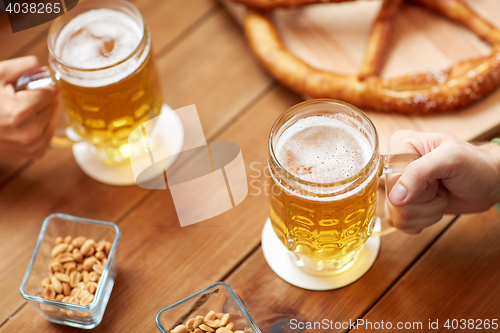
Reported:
(72, 271)
(215, 309)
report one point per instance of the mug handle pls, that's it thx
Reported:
(38, 78)
(393, 164)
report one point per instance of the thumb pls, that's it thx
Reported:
(11, 70)
(418, 176)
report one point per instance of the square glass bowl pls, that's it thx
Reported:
(219, 297)
(81, 316)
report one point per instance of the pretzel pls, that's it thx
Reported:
(435, 91)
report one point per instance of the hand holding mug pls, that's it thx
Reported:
(451, 177)
(27, 119)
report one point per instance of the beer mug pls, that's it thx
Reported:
(100, 56)
(324, 160)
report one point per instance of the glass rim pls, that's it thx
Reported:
(276, 127)
(231, 292)
(130, 55)
(104, 276)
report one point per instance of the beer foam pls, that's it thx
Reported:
(96, 39)
(323, 149)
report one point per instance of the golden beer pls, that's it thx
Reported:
(324, 161)
(106, 74)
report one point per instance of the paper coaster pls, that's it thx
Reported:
(122, 175)
(281, 263)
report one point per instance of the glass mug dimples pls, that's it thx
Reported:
(324, 158)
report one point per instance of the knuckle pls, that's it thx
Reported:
(400, 224)
(30, 136)
(456, 157)
(402, 134)
(18, 115)
(406, 214)
(400, 139)
(36, 151)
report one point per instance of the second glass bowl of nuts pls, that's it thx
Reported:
(72, 271)
(215, 309)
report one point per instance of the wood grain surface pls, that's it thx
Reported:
(203, 59)
(457, 278)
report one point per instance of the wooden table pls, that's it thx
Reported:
(450, 271)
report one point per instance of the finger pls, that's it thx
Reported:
(27, 103)
(417, 225)
(426, 195)
(38, 148)
(419, 216)
(11, 70)
(420, 174)
(30, 130)
(412, 231)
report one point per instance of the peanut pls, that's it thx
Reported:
(206, 328)
(223, 330)
(77, 255)
(190, 323)
(100, 245)
(74, 300)
(87, 300)
(46, 282)
(88, 248)
(85, 276)
(56, 284)
(75, 292)
(78, 241)
(91, 287)
(210, 315)
(100, 255)
(64, 257)
(198, 321)
(55, 266)
(75, 271)
(180, 329)
(66, 288)
(224, 320)
(61, 277)
(59, 248)
(74, 278)
(89, 262)
(93, 276)
(211, 323)
(70, 267)
(49, 293)
(98, 268)
(107, 248)
(83, 293)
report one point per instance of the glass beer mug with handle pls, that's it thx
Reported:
(100, 56)
(325, 164)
